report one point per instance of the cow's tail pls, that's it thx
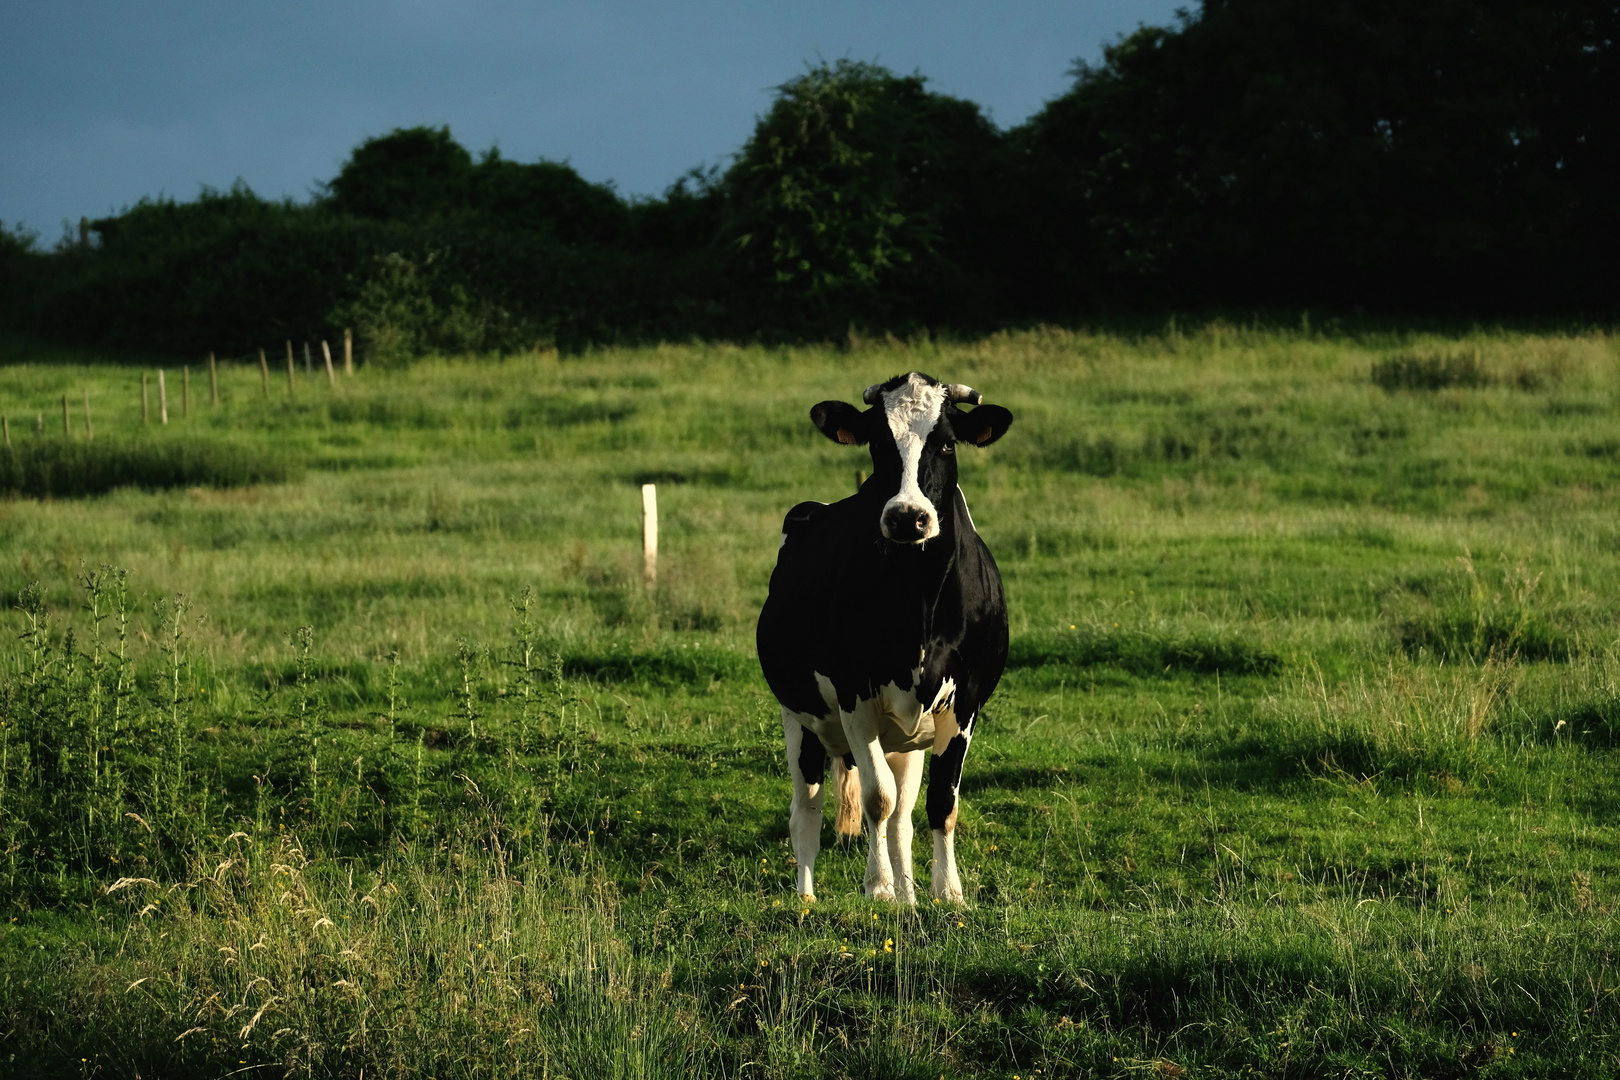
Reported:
(847, 782)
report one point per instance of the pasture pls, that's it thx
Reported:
(368, 750)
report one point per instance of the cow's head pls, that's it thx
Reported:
(913, 428)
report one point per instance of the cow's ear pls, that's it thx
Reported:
(983, 426)
(840, 422)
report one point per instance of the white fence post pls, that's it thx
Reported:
(649, 534)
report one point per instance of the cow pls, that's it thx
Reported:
(885, 632)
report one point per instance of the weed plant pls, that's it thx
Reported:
(1303, 766)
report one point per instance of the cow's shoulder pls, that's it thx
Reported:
(806, 513)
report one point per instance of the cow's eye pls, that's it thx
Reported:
(947, 448)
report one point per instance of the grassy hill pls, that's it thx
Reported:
(368, 749)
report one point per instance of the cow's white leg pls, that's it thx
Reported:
(946, 885)
(878, 794)
(804, 818)
(908, 769)
(944, 780)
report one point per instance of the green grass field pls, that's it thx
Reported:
(340, 733)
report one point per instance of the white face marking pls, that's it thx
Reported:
(912, 409)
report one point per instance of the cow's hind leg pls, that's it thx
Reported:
(908, 769)
(878, 795)
(944, 778)
(807, 761)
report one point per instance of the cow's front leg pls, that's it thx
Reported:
(878, 794)
(908, 769)
(943, 781)
(807, 762)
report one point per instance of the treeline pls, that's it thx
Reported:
(1456, 157)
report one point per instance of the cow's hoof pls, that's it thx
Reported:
(808, 897)
(949, 896)
(882, 892)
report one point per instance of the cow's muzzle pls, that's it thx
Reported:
(908, 523)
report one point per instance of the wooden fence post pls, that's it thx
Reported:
(213, 380)
(264, 375)
(649, 535)
(290, 386)
(146, 412)
(185, 390)
(348, 351)
(326, 351)
(163, 398)
(39, 424)
(67, 427)
(309, 368)
(860, 478)
(89, 428)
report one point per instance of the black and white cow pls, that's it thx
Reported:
(886, 631)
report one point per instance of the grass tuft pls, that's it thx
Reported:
(64, 469)
(1143, 652)
(1412, 372)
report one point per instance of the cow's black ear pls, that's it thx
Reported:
(840, 422)
(983, 426)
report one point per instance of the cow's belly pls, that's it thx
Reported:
(904, 723)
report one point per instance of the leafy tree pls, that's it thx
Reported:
(1451, 154)
(408, 173)
(545, 198)
(860, 194)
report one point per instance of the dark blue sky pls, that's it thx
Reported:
(104, 102)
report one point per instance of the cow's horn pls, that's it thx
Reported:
(872, 394)
(959, 392)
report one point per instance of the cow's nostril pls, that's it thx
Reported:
(922, 521)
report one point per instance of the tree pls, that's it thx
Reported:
(408, 173)
(861, 195)
(1456, 154)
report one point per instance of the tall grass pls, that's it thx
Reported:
(443, 962)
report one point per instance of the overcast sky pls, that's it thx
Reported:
(102, 103)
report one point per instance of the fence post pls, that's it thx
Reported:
(163, 398)
(290, 386)
(185, 390)
(67, 427)
(39, 423)
(860, 478)
(326, 352)
(146, 412)
(89, 428)
(264, 375)
(213, 380)
(649, 535)
(309, 368)
(348, 351)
